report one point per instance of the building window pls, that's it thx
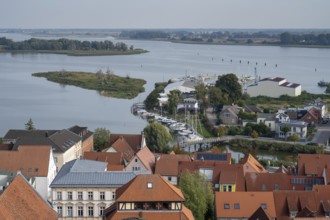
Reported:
(102, 196)
(59, 195)
(227, 206)
(136, 160)
(80, 196)
(69, 195)
(55, 159)
(70, 211)
(264, 205)
(80, 211)
(113, 195)
(169, 178)
(90, 195)
(263, 187)
(276, 187)
(101, 210)
(236, 206)
(90, 211)
(149, 185)
(59, 211)
(224, 188)
(229, 188)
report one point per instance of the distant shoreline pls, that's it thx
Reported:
(79, 52)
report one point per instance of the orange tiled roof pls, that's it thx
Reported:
(134, 140)
(137, 190)
(167, 164)
(294, 201)
(267, 181)
(159, 215)
(312, 164)
(121, 145)
(21, 201)
(252, 165)
(229, 174)
(114, 159)
(31, 160)
(147, 158)
(243, 204)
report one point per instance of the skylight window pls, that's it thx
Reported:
(264, 205)
(149, 185)
(237, 206)
(227, 206)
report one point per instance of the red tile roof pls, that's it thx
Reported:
(243, 204)
(21, 201)
(121, 145)
(152, 215)
(312, 164)
(294, 201)
(134, 140)
(137, 190)
(267, 181)
(31, 160)
(167, 164)
(147, 158)
(252, 165)
(114, 159)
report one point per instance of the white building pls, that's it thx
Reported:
(268, 119)
(296, 127)
(274, 87)
(35, 162)
(182, 86)
(83, 189)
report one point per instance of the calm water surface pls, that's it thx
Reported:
(52, 106)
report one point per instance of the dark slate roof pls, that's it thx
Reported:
(64, 139)
(14, 134)
(35, 141)
(81, 131)
(74, 174)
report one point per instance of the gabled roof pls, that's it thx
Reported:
(267, 116)
(252, 108)
(121, 145)
(167, 164)
(88, 173)
(33, 161)
(252, 165)
(266, 181)
(81, 131)
(260, 213)
(147, 158)
(312, 164)
(152, 215)
(21, 201)
(243, 204)
(114, 159)
(137, 190)
(134, 140)
(64, 139)
(16, 133)
(294, 201)
(274, 79)
(229, 174)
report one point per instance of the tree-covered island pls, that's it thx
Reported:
(68, 47)
(107, 84)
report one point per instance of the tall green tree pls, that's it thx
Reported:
(285, 130)
(198, 195)
(29, 125)
(157, 136)
(202, 96)
(173, 100)
(101, 138)
(230, 86)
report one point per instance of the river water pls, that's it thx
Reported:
(52, 106)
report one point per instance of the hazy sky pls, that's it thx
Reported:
(165, 14)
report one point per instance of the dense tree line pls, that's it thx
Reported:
(304, 39)
(62, 44)
(144, 34)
